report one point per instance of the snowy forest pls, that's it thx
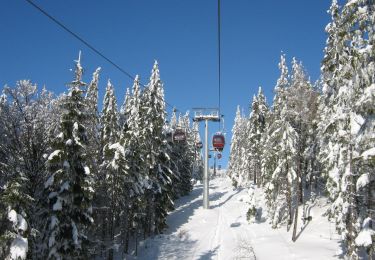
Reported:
(318, 139)
(82, 178)
(76, 183)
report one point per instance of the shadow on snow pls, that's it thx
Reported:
(209, 255)
(225, 201)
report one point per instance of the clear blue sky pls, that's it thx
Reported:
(181, 35)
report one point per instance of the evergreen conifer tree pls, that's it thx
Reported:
(157, 174)
(70, 184)
(130, 139)
(235, 150)
(25, 116)
(256, 125)
(113, 166)
(92, 124)
(347, 82)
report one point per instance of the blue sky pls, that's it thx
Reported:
(181, 35)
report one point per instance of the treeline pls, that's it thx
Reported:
(79, 184)
(318, 138)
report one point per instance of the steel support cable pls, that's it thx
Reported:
(219, 52)
(75, 35)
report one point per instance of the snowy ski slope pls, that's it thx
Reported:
(223, 233)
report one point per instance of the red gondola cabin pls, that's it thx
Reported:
(179, 136)
(218, 142)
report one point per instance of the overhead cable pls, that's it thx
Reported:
(90, 46)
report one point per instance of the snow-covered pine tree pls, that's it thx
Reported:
(92, 123)
(186, 154)
(198, 157)
(328, 127)
(301, 112)
(256, 125)
(247, 166)
(269, 148)
(110, 128)
(281, 86)
(281, 149)
(263, 118)
(164, 199)
(313, 177)
(328, 151)
(94, 149)
(113, 168)
(70, 182)
(13, 201)
(92, 126)
(157, 175)
(173, 121)
(345, 79)
(147, 151)
(123, 116)
(284, 176)
(365, 141)
(234, 169)
(269, 152)
(359, 173)
(243, 152)
(92, 94)
(130, 139)
(14, 227)
(11, 188)
(25, 117)
(176, 153)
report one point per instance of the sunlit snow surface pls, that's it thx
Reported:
(222, 232)
(19, 245)
(18, 248)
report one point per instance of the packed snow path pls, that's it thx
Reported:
(222, 232)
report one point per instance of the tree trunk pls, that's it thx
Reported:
(127, 227)
(111, 230)
(104, 231)
(259, 167)
(289, 202)
(255, 174)
(289, 199)
(352, 210)
(298, 184)
(136, 243)
(294, 238)
(300, 160)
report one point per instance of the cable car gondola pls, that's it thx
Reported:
(179, 136)
(218, 141)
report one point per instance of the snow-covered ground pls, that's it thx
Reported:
(222, 232)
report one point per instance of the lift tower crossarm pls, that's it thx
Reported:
(210, 114)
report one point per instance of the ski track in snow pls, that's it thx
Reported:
(223, 233)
